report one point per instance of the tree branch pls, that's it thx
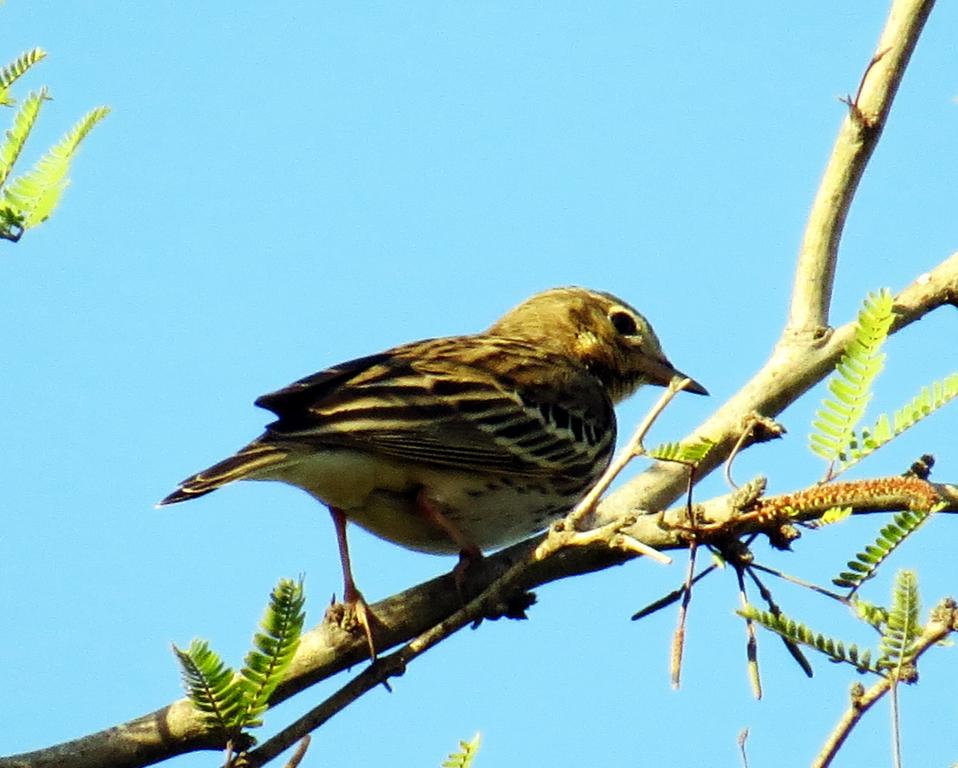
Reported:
(857, 139)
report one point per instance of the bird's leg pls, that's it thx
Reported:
(352, 597)
(431, 511)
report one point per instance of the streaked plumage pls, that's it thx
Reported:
(499, 432)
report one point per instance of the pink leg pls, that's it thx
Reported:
(351, 595)
(469, 553)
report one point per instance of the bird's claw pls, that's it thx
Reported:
(354, 615)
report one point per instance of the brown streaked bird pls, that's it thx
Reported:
(458, 444)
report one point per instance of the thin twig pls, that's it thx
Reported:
(375, 674)
(300, 753)
(632, 449)
(799, 582)
(565, 533)
(895, 722)
(727, 468)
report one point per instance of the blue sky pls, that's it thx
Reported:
(284, 186)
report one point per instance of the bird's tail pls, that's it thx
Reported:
(243, 464)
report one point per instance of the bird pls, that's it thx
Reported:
(460, 444)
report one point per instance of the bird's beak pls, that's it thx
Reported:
(662, 372)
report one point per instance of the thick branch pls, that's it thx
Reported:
(857, 139)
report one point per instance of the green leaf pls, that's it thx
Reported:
(274, 648)
(209, 685)
(15, 70)
(800, 634)
(922, 405)
(902, 629)
(851, 382)
(869, 612)
(16, 137)
(36, 193)
(685, 453)
(889, 538)
(466, 754)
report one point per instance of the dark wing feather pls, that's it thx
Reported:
(293, 402)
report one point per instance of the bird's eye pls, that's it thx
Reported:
(623, 322)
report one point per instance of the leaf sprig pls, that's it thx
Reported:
(209, 684)
(890, 537)
(898, 626)
(851, 383)
(36, 193)
(465, 756)
(902, 628)
(684, 453)
(926, 402)
(29, 199)
(15, 70)
(801, 634)
(233, 702)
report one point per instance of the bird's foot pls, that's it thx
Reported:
(354, 615)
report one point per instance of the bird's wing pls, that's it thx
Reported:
(470, 403)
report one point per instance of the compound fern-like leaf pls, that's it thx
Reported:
(274, 647)
(36, 193)
(890, 537)
(16, 137)
(902, 628)
(851, 383)
(466, 754)
(686, 453)
(800, 634)
(926, 402)
(872, 614)
(209, 684)
(15, 70)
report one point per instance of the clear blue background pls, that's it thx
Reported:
(283, 186)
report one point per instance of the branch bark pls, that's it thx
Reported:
(857, 139)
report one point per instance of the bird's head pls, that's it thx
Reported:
(609, 337)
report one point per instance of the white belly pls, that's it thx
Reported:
(380, 495)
